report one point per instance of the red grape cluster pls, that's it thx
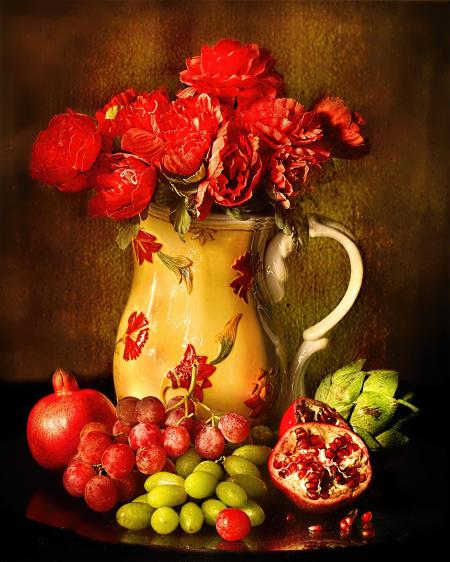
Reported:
(147, 437)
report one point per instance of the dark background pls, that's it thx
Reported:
(64, 282)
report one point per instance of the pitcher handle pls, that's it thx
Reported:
(314, 339)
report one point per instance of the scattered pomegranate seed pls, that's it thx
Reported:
(368, 533)
(366, 516)
(290, 517)
(315, 528)
(367, 525)
(343, 525)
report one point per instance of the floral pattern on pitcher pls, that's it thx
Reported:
(135, 337)
(246, 268)
(262, 395)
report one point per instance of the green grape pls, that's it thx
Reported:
(166, 495)
(231, 494)
(161, 478)
(239, 465)
(134, 515)
(164, 520)
(254, 486)
(211, 509)
(257, 454)
(255, 513)
(191, 518)
(142, 499)
(212, 467)
(185, 464)
(200, 485)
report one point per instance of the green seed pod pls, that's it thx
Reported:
(381, 382)
(373, 412)
(212, 467)
(134, 515)
(255, 513)
(162, 478)
(239, 465)
(255, 487)
(166, 495)
(257, 454)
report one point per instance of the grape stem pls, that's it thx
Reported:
(185, 398)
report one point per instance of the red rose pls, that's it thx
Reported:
(234, 169)
(342, 127)
(230, 70)
(129, 110)
(288, 169)
(124, 186)
(282, 121)
(181, 136)
(67, 148)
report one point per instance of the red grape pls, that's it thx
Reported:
(176, 399)
(100, 493)
(94, 426)
(118, 460)
(143, 435)
(234, 427)
(197, 426)
(174, 416)
(210, 443)
(76, 476)
(126, 410)
(151, 459)
(127, 487)
(150, 409)
(233, 524)
(121, 431)
(176, 440)
(75, 458)
(92, 446)
(169, 466)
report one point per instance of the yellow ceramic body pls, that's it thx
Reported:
(197, 306)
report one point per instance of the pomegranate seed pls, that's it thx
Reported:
(290, 517)
(313, 496)
(366, 516)
(343, 525)
(368, 533)
(315, 528)
(367, 525)
(352, 483)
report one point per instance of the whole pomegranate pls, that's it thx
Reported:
(304, 410)
(320, 467)
(55, 422)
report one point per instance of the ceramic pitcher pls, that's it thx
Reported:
(198, 317)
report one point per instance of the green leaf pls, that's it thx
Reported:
(383, 382)
(373, 411)
(323, 389)
(280, 220)
(345, 388)
(350, 368)
(368, 439)
(392, 439)
(126, 231)
(180, 219)
(198, 176)
(112, 112)
(413, 408)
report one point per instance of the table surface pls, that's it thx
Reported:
(408, 498)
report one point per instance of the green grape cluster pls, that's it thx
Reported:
(198, 491)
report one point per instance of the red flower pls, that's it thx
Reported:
(243, 282)
(282, 121)
(288, 169)
(124, 186)
(230, 70)
(129, 110)
(181, 136)
(67, 148)
(136, 336)
(181, 375)
(234, 169)
(145, 246)
(342, 127)
(262, 395)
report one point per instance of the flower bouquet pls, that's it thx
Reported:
(229, 142)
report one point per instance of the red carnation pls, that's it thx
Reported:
(181, 135)
(342, 127)
(124, 186)
(230, 70)
(234, 169)
(282, 121)
(129, 110)
(67, 148)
